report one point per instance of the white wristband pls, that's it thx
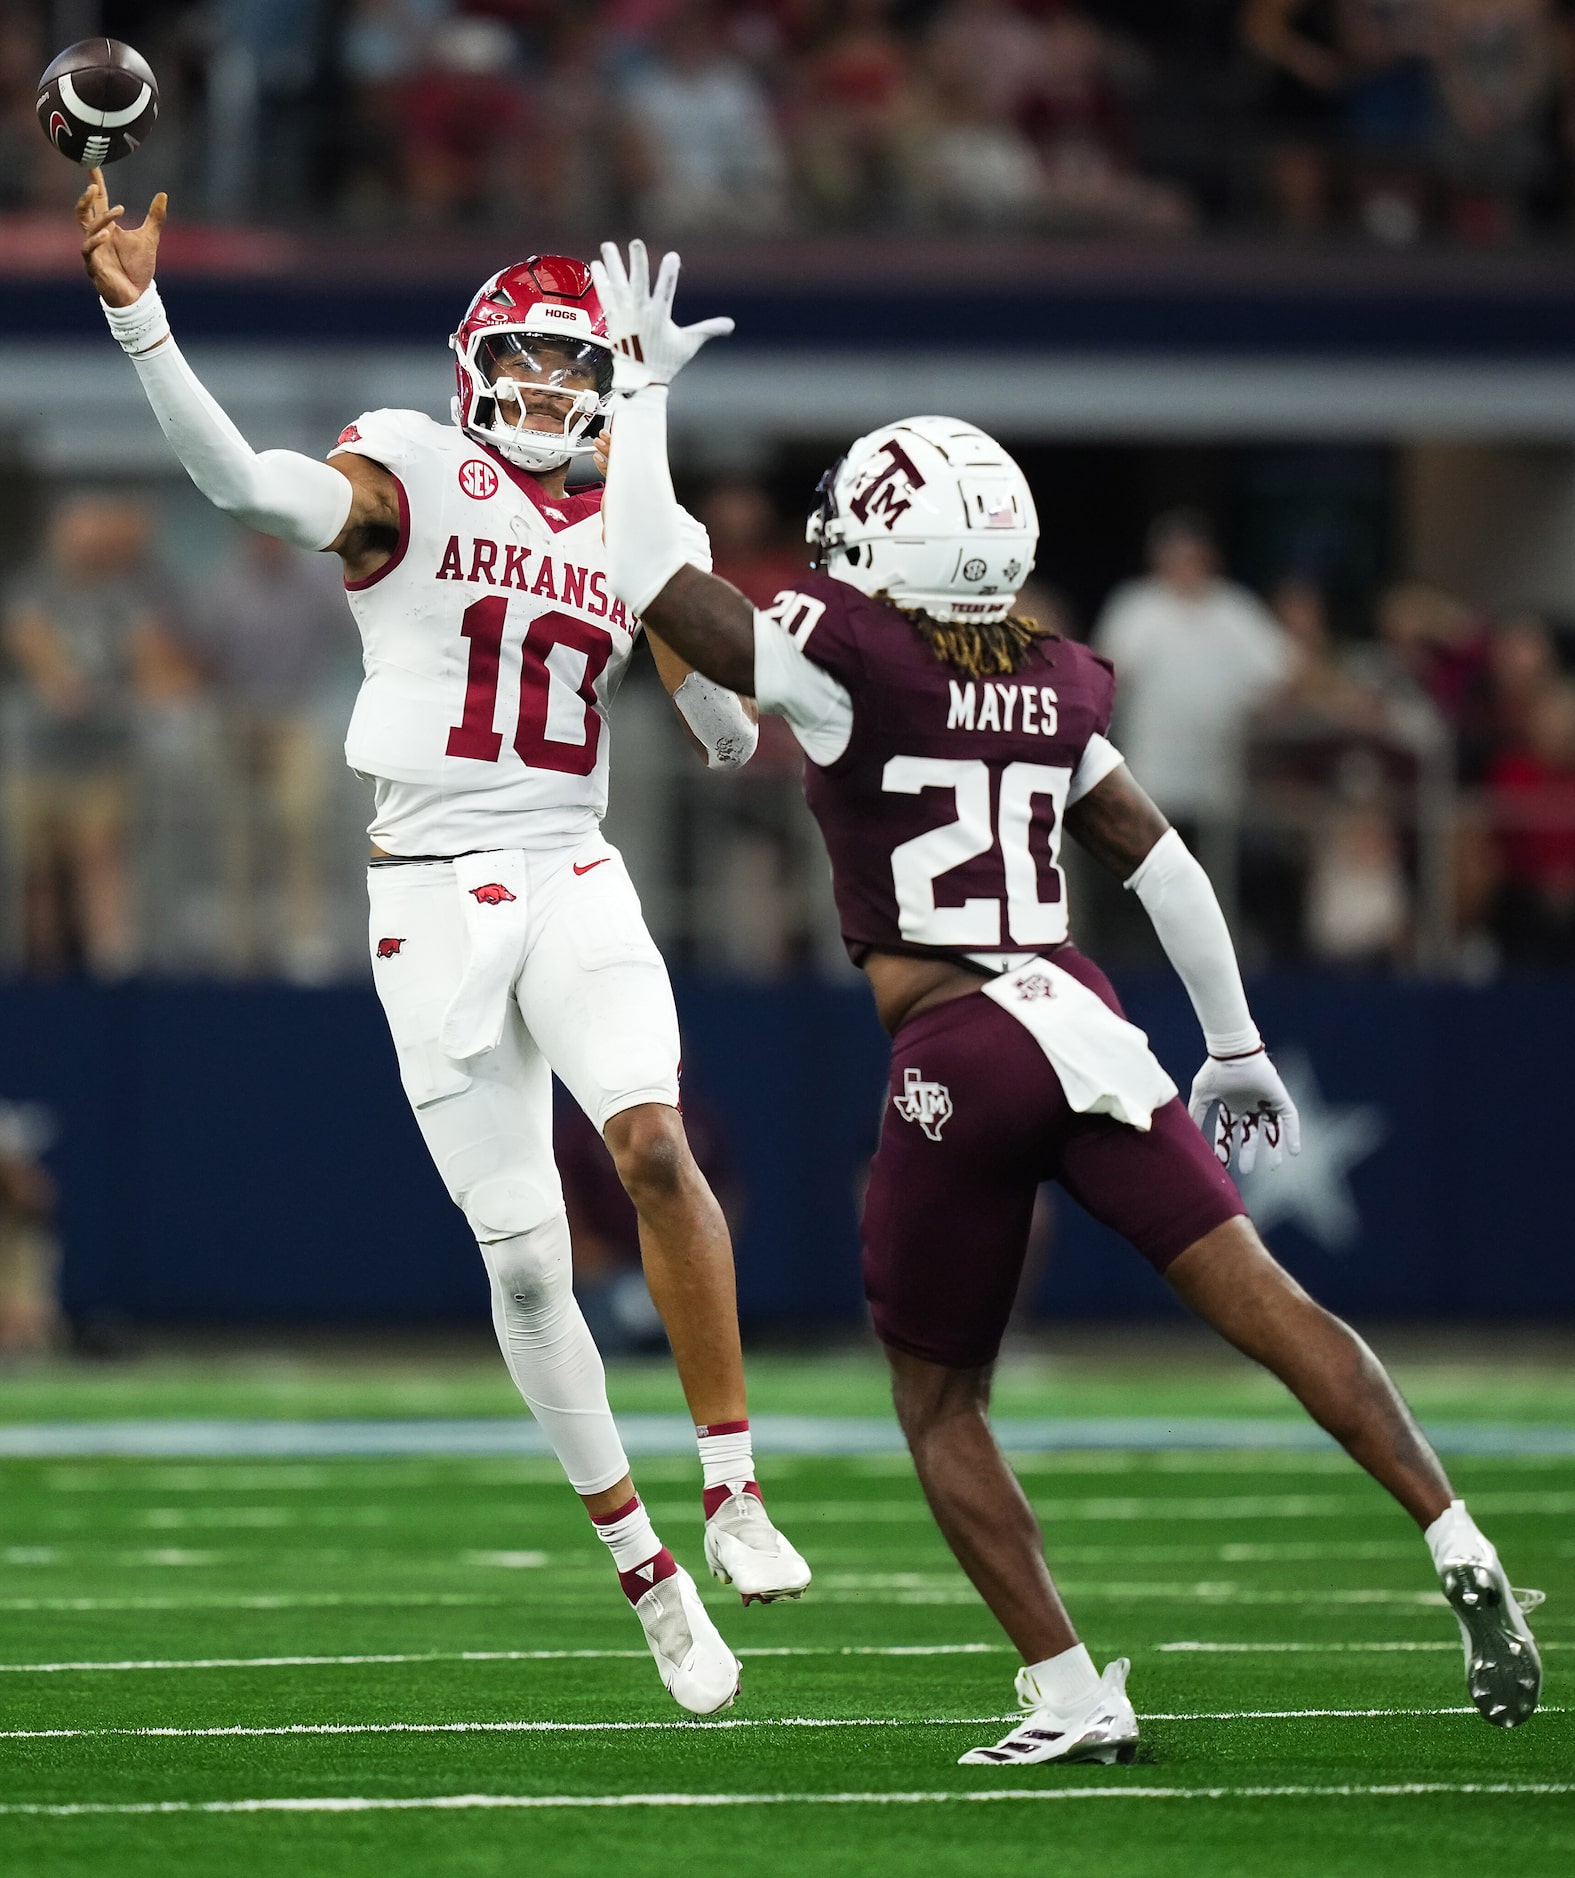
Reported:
(720, 722)
(140, 326)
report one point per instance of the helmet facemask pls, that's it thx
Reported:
(520, 378)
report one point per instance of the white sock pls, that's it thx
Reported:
(1455, 1536)
(726, 1456)
(628, 1534)
(1063, 1681)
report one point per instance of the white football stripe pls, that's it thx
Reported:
(472, 1802)
(493, 1656)
(102, 120)
(1282, 1649)
(668, 1727)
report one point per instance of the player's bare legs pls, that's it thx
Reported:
(977, 1501)
(1230, 1280)
(688, 1257)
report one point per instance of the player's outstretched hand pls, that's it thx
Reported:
(649, 347)
(119, 261)
(1252, 1108)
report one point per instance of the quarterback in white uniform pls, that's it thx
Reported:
(506, 937)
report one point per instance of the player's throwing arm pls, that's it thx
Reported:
(340, 506)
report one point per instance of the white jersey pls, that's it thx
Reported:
(493, 646)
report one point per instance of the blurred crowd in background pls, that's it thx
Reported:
(1396, 798)
(1395, 120)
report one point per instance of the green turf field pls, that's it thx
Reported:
(156, 1614)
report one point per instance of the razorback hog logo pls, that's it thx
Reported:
(493, 894)
(882, 496)
(350, 434)
(390, 948)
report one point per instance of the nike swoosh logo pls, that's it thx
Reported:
(590, 864)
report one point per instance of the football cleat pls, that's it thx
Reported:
(1100, 1728)
(697, 1668)
(746, 1551)
(1503, 1669)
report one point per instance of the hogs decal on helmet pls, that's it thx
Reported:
(532, 363)
(932, 514)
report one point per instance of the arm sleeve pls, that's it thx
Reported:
(643, 523)
(278, 492)
(1179, 899)
(1100, 759)
(818, 707)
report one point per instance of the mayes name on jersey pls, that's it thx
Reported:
(493, 646)
(941, 798)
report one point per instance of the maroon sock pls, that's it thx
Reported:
(640, 1578)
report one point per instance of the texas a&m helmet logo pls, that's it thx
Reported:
(390, 948)
(479, 480)
(493, 894)
(888, 494)
(927, 1103)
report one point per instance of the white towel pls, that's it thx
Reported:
(1104, 1063)
(491, 888)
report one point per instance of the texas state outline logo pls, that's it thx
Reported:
(927, 1103)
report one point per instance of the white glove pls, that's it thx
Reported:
(1250, 1103)
(649, 347)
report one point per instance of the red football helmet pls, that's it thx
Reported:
(541, 325)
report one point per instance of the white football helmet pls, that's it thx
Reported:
(931, 513)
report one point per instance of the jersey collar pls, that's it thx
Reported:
(557, 512)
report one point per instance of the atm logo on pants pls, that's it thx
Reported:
(927, 1103)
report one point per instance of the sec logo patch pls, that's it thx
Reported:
(478, 480)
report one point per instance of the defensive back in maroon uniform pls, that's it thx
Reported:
(943, 815)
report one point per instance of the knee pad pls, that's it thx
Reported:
(505, 1205)
(530, 1271)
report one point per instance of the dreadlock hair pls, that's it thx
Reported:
(978, 648)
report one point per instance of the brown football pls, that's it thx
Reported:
(98, 101)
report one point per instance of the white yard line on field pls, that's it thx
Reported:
(268, 1601)
(1282, 1649)
(481, 1802)
(493, 1656)
(667, 1727)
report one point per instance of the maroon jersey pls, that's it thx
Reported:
(943, 814)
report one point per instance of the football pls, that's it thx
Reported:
(98, 101)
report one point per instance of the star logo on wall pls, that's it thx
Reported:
(1312, 1190)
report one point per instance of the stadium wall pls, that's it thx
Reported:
(238, 1154)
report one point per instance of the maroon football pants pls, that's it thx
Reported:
(976, 1120)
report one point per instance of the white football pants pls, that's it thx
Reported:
(494, 971)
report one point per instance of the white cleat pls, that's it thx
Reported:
(697, 1668)
(746, 1551)
(1503, 1669)
(1101, 1728)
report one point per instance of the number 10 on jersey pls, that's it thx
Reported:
(559, 727)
